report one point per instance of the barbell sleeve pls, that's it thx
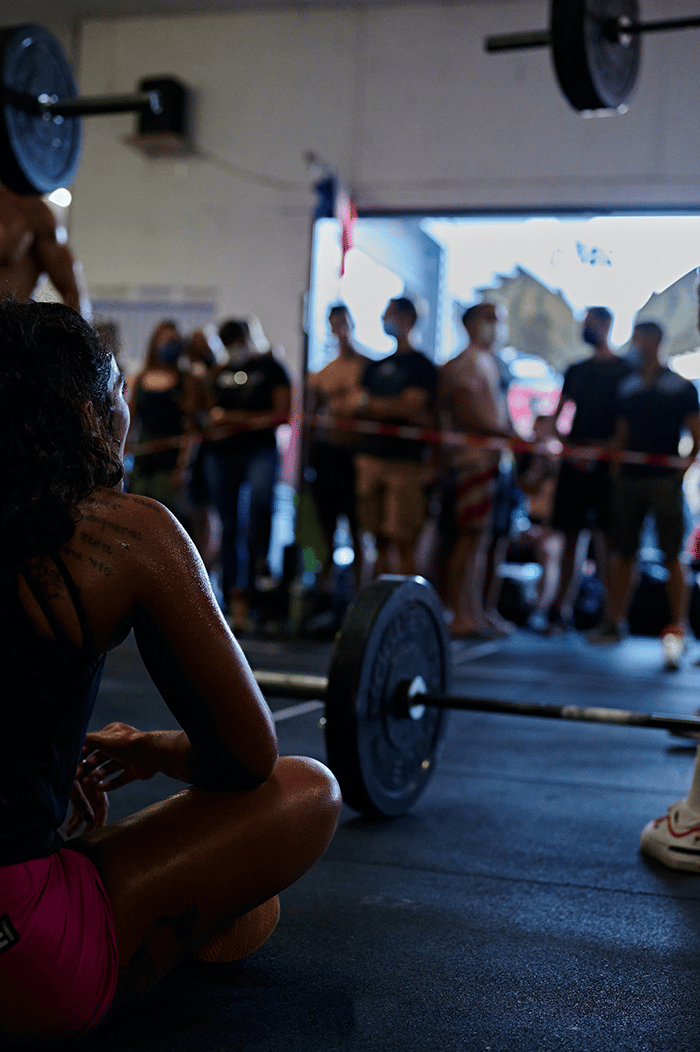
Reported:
(299, 686)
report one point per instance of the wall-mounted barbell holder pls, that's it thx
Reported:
(41, 111)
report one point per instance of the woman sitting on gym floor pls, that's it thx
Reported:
(90, 924)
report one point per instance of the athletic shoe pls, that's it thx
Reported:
(608, 631)
(673, 641)
(674, 839)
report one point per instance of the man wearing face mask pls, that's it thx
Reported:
(470, 399)
(582, 498)
(400, 389)
(241, 468)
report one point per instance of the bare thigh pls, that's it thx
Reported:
(183, 867)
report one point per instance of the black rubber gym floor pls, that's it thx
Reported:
(510, 910)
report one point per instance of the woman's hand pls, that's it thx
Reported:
(115, 756)
(90, 808)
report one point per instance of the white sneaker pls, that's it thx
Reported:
(673, 641)
(674, 839)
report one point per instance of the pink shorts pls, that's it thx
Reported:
(58, 954)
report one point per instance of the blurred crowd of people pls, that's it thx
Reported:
(205, 409)
(418, 463)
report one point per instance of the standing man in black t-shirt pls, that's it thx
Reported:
(390, 484)
(241, 468)
(582, 498)
(655, 406)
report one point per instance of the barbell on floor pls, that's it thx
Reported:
(595, 46)
(40, 111)
(388, 690)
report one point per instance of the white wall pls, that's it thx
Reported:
(402, 102)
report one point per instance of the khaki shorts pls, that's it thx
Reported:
(390, 497)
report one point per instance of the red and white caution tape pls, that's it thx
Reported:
(338, 425)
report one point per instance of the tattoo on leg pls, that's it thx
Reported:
(149, 963)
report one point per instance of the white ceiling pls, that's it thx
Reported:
(65, 12)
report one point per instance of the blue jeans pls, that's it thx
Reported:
(242, 486)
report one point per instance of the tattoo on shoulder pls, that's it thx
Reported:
(122, 531)
(101, 567)
(93, 542)
(154, 506)
(117, 500)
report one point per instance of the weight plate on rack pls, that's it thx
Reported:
(595, 69)
(393, 632)
(38, 152)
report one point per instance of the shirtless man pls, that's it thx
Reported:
(470, 400)
(32, 244)
(332, 452)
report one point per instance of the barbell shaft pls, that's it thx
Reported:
(145, 101)
(595, 714)
(542, 38)
(661, 25)
(302, 687)
(518, 41)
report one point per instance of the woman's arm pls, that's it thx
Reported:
(158, 586)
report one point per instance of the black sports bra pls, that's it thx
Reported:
(48, 689)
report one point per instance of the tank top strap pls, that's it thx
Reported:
(74, 592)
(59, 632)
(33, 586)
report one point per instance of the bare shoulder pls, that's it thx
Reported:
(125, 527)
(457, 368)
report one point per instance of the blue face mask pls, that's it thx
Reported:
(170, 352)
(391, 328)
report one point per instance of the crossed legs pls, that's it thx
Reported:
(185, 867)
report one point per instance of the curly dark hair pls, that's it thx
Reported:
(56, 426)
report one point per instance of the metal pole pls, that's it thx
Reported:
(614, 28)
(660, 26)
(85, 107)
(51, 106)
(314, 688)
(619, 717)
(518, 41)
(292, 685)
